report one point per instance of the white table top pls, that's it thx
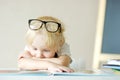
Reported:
(14, 74)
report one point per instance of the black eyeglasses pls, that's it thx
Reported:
(51, 26)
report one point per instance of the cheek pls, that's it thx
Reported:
(50, 55)
(32, 52)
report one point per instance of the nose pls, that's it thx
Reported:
(39, 54)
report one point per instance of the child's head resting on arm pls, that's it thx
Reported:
(45, 36)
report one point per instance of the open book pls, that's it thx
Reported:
(23, 72)
(47, 73)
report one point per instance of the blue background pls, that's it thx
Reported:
(111, 33)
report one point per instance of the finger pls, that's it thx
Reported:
(55, 70)
(67, 69)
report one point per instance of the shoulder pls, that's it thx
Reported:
(65, 50)
(65, 45)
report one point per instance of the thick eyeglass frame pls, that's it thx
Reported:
(44, 22)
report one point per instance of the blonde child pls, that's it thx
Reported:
(45, 48)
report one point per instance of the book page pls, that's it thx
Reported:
(23, 72)
(85, 73)
(47, 73)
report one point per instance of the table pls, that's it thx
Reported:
(98, 75)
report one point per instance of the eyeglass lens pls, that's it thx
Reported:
(34, 24)
(50, 26)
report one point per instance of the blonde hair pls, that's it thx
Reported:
(53, 40)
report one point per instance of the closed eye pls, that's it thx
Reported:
(35, 48)
(46, 50)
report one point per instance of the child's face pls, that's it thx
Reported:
(39, 48)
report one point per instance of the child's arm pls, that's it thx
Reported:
(63, 60)
(32, 64)
(27, 62)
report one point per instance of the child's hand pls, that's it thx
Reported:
(59, 68)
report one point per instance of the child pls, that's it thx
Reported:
(46, 48)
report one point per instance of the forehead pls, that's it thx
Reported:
(40, 43)
(39, 39)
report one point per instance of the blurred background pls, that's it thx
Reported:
(79, 17)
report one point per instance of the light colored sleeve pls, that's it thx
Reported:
(65, 50)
